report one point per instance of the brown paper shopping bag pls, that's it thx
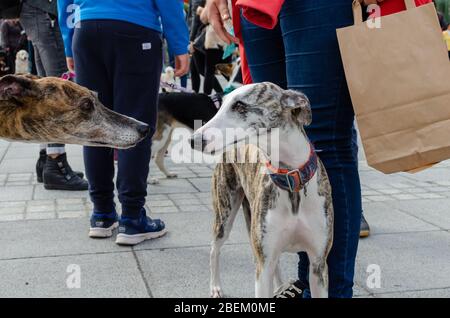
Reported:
(399, 81)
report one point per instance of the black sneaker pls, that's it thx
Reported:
(41, 163)
(292, 289)
(135, 231)
(58, 175)
(364, 230)
(102, 224)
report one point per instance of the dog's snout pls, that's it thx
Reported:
(143, 130)
(197, 142)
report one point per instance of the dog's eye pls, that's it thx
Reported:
(87, 105)
(239, 107)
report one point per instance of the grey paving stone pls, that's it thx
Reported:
(41, 193)
(186, 201)
(163, 209)
(18, 165)
(11, 217)
(430, 293)
(166, 268)
(171, 186)
(194, 208)
(40, 216)
(388, 220)
(16, 193)
(154, 203)
(192, 229)
(434, 174)
(435, 211)
(24, 239)
(203, 184)
(408, 261)
(236, 267)
(102, 275)
(71, 214)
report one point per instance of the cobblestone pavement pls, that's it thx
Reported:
(43, 232)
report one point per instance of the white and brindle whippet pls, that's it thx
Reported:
(287, 206)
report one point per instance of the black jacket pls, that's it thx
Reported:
(49, 6)
(194, 20)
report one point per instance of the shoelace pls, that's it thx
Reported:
(288, 289)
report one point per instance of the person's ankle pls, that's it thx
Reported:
(54, 155)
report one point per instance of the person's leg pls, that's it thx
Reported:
(90, 51)
(134, 85)
(265, 53)
(314, 66)
(195, 74)
(50, 61)
(213, 56)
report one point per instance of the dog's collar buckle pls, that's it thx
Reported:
(293, 174)
(296, 179)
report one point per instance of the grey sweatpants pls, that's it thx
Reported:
(43, 31)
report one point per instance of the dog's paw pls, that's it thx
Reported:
(153, 181)
(172, 175)
(216, 292)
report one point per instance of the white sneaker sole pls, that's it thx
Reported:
(125, 239)
(102, 232)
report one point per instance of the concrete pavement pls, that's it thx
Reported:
(44, 242)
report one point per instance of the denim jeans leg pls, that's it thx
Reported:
(43, 31)
(312, 64)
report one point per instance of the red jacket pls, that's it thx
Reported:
(264, 13)
(394, 6)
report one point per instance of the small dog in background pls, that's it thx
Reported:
(168, 77)
(22, 65)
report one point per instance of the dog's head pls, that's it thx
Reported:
(22, 56)
(253, 109)
(169, 74)
(53, 110)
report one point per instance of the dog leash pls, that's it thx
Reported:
(175, 86)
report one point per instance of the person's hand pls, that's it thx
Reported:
(181, 65)
(70, 64)
(217, 11)
(191, 47)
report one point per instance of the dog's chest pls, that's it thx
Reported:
(297, 219)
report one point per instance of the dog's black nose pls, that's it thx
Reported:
(143, 130)
(197, 142)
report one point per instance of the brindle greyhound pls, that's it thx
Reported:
(287, 208)
(44, 110)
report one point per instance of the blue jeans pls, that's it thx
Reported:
(302, 53)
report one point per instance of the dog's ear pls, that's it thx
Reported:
(298, 104)
(14, 88)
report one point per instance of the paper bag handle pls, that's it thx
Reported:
(357, 9)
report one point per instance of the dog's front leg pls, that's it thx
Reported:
(265, 278)
(278, 280)
(318, 279)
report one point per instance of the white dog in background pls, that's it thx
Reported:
(168, 77)
(22, 66)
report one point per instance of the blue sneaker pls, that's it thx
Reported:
(102, 224)
(134, 231)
